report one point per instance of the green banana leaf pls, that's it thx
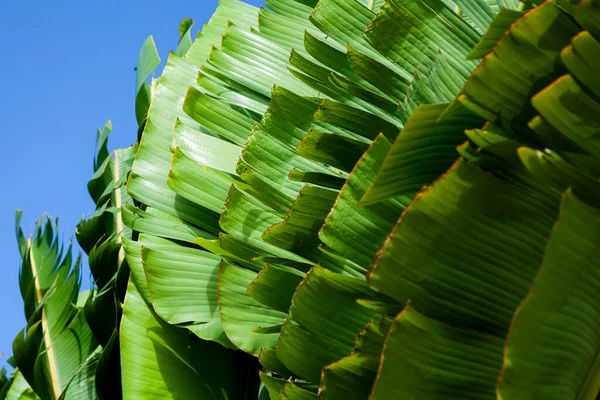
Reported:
(57, 338)
(350, 199)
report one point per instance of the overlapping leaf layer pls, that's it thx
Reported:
(356, 199)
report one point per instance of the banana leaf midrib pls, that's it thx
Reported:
(45, 328)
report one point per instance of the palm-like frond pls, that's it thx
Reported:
(16, 387)
(343, 190)
(265, 197)
(57, 339)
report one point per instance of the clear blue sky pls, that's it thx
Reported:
(67, 67)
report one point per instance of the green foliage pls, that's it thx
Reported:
(56, 347)
(351, 199)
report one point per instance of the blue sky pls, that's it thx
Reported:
(67, 67)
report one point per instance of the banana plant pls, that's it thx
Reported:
(273, 208)
(511, 192)
(353, 199)
(56, 352)
(324, 176)
(15, 387)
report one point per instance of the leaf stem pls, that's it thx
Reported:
(45, 327)
(118, 205)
